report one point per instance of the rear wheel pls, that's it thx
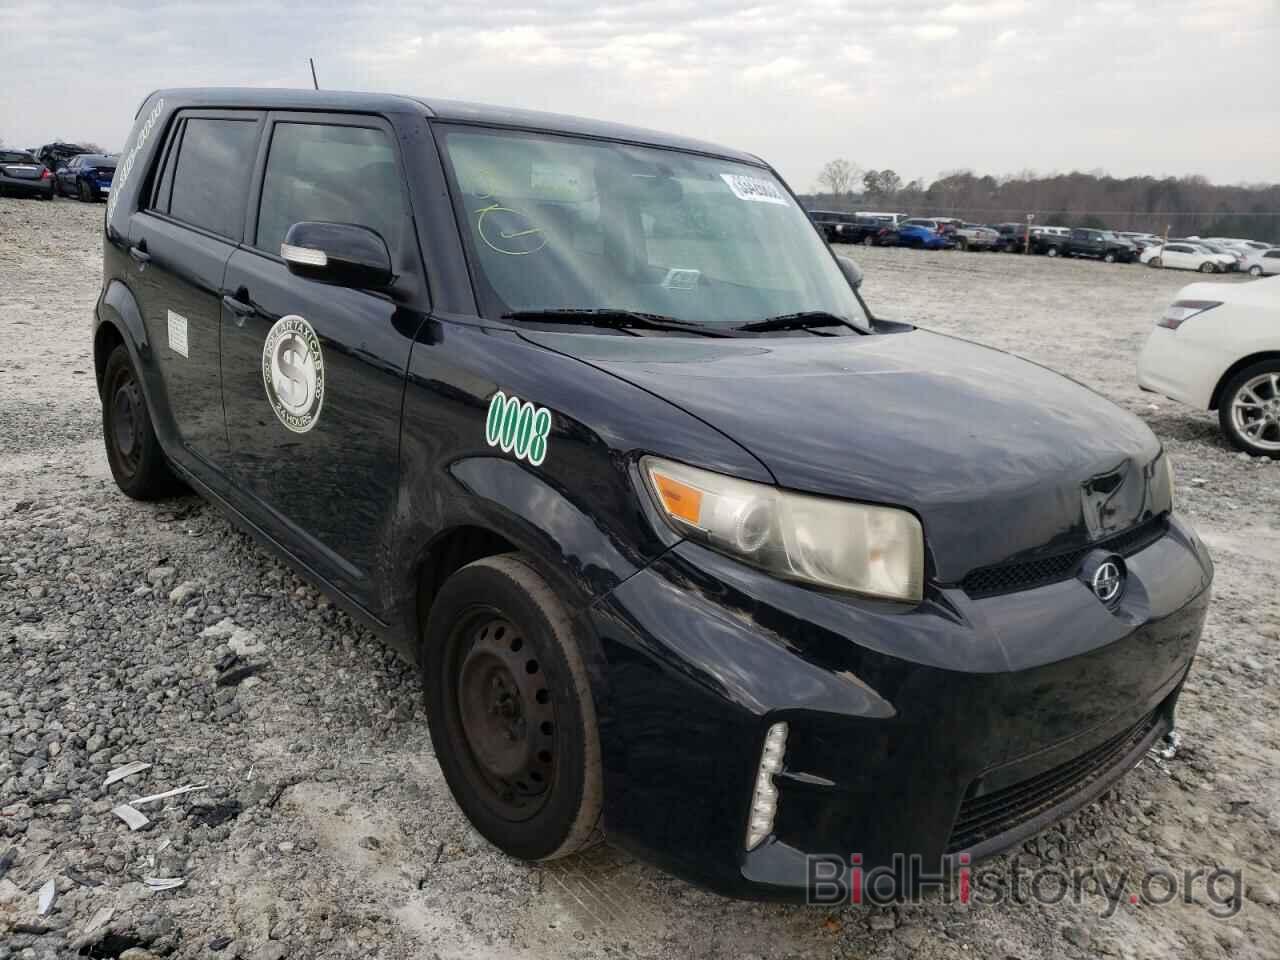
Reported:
(1249, 409)
(133, 451)
(1155, 262)
(512, 719)
(1255, 271)
(962, 244)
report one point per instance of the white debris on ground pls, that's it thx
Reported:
(129, 633)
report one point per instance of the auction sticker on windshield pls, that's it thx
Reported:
(753, 188)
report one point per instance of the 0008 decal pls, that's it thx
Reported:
(517, 426)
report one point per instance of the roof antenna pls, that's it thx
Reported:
(314, 82)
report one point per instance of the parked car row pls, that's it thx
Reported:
(1212, 255)
(49, 172)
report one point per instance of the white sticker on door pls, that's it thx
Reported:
(753, 188)
(177, 333)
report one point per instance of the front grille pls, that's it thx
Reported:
(984, 817)
(1011, 577)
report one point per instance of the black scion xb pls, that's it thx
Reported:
(691, 549)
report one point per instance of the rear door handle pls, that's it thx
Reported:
(139, 253)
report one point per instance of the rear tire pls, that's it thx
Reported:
(1255, 271)
(512, 718)
(1155, 262)
(962, 244)
(137, 463)
(1251, 399)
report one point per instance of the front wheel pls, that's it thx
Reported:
(1208, 267)
(1052, 252)
(1109, 257)
(1155, 262)
(137, 463)
(86, 193)
(1249, 410)
(512, 719)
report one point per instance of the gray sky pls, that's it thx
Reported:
(922, 86)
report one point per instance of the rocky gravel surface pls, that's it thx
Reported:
(320, 826)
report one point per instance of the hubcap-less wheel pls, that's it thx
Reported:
(127, 426)
(506, 713)
(1255, 412)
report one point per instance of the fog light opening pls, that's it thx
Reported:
(764, 800)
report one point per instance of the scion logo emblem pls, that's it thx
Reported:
(1108, 581)
(293, 373)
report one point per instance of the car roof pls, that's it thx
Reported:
(339, 101)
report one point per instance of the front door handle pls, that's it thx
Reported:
(238, 307)
(139, 253)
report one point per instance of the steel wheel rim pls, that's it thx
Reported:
(126, 423)
(505, 714)
(1255, 411)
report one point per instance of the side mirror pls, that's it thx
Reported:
(852, 272)
(338, 253)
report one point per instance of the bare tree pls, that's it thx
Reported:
(837, 177)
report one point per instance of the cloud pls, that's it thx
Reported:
(797, 82)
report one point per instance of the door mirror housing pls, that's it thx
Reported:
(343, 254)
(852, 272)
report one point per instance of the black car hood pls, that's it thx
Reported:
(998, 456)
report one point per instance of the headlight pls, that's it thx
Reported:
(1181, 311)
(848, 546)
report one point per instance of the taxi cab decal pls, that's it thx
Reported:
(516, 426)
(293, 373)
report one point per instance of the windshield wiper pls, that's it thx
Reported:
(614, 319)
(796, 321)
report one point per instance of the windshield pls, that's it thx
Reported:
(561, 223)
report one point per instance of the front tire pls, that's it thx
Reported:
(1155, 262)
(1208, 267)
(512, 718)
(1249, 410)
(86, 194)
(1051, 252)
(137, 463)
(1109, 257)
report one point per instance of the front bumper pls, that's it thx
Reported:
(959, 726)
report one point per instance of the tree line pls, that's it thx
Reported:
(1183, 205)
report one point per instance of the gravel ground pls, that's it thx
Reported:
(324, 828)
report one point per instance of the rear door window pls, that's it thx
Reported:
(334, 173)
(214, 161)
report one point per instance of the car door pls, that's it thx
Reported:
(313, 373)
(1178, 256)
(66, 174)
(1271, 261)
(180, 240)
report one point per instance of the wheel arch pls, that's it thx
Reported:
(1215, 398)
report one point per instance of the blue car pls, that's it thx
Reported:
(921, 237)
(87, 176)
